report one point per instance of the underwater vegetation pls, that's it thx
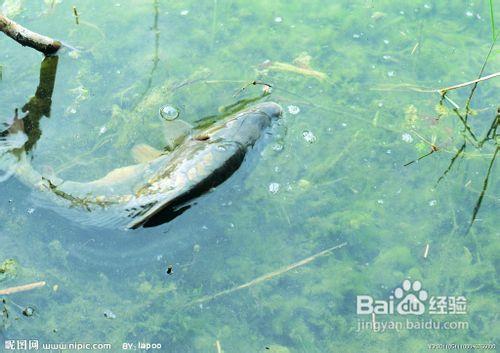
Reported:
(371, 153)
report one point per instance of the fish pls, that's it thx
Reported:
(157, 190)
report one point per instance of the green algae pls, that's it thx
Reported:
(8, 269)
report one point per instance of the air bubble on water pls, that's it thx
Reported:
(309, 136)
(355, 36)
(406, 137)
(386, 41)
(344, 124)
(102, 130)
(278, 147)
(169, 112)
(380, 202)
(469, 14)
(293, 109)
(427, 6)
(108, 314)
(391, 73)
(274, 188)
(184, 12)
(278, 19)
(388, 151)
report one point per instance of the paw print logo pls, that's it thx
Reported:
(411, 297)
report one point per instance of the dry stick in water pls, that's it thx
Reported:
(405, 86)
(28, 38)
(444, 90)
(23, 288)
(268, 276)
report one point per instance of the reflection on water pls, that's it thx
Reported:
(22, 133)
(39, 105)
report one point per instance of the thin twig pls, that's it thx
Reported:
(22, 288)
(77, 16)
(466, 125)
(421, 157)
(483, 191)
(267, 276)
(426, 250)
(452, 162)
(468, 83)
(492, 131)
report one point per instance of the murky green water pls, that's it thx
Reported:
(332, 172)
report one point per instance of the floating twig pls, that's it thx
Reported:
(414, 48)
(426, 251)
(22, 288)
(25, 37)
(442, 91)
(468, 83)
(77, 17)
(267, 276)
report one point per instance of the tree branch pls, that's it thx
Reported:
(28, 38)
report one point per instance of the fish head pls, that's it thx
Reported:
(271, 109)
(247, 126)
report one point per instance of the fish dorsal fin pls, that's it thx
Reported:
(175, 132)
(144, 153)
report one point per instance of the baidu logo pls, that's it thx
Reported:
(411, 299)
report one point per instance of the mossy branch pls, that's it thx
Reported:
(28, 38)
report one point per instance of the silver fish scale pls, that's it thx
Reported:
(181, 177)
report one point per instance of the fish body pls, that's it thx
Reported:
(131, 196)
